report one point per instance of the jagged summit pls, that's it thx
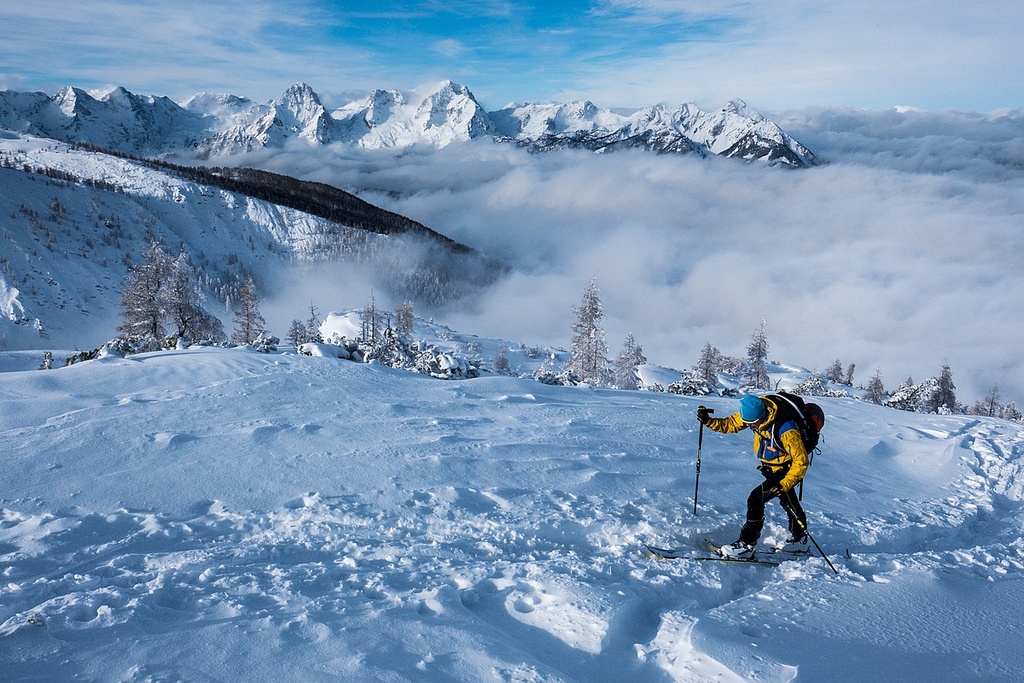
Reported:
(437, 115)
(211, 125)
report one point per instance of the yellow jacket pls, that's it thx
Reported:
(787, 450)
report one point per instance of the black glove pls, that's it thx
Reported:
(703, 415)
(774, 490)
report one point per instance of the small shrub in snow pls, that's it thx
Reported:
(265, 343)
(565, 378)
(391, 350)
(690, 384)
(812, 386)
(502, 366)
(346, 351)
(82, 356)
(119, 347)
(445, 365)
(915, 398)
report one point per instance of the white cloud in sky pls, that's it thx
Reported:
(450, 48)
(873, 53)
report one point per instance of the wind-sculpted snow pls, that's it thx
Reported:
(213, 514)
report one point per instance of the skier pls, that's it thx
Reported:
(783, 464)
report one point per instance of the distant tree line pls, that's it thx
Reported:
(317, 199)
(588, 363)
(428, 266)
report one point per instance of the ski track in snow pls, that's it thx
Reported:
(376, 525)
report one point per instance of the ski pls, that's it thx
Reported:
(656, 553)
(716, 549)
(785, 552)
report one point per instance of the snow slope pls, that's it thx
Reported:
(211, 514)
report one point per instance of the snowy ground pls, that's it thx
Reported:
(214, 514)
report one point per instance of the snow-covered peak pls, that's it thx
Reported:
(438, 115)
(453, 113)
(740, 108)
(532, 121)
(120, 96)
(73, 101)
(381, 105)
(300, 112)
(444, 89)
(298, 98)
(220, 106)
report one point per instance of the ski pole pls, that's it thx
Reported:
(700, 445)
(823, 555)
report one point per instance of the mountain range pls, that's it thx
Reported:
(214, 125)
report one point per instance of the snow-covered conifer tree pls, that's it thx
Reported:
(501, 362)
(876, 389)
(757, 359)
(944, 398)
(185, 304)
(249, 323)
(589, 355)
(708, 363)
(296, 334)
(912, 397)
(834, 372)
(404, 319)
(313, 325)
(812, 386)
(144, 296)
(626, 363)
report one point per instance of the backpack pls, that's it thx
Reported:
(808, 417)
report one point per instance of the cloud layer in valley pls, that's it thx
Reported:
(902, 252)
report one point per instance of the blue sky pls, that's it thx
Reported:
(783, 54)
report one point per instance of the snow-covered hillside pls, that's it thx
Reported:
(214, 125)
(213, 514)
(74, 220)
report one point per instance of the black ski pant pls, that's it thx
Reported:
(751, 531)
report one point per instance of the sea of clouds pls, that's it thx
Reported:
(902, 251)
